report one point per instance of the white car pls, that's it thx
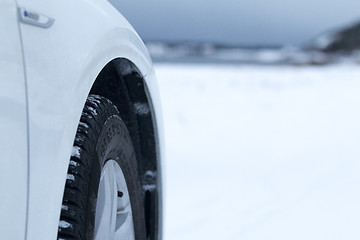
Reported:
(80, 125)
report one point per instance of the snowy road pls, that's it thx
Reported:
(259, 152)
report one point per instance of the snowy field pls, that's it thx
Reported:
(261, 152)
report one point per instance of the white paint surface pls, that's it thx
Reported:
(13, 127)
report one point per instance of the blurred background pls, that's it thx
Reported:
(261, 114)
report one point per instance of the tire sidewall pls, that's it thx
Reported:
(114, 143)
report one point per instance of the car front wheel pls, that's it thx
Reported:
(102, 197)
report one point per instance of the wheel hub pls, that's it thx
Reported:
(113, 218)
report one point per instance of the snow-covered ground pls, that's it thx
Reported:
(261, 152)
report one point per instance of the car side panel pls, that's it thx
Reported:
(13, 127)
(62, 63)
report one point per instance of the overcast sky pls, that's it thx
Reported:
(246, 22)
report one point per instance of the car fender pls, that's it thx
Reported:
(62, 63)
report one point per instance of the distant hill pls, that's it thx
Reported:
(344, 40)
(338, 46)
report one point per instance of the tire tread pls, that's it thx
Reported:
(75, 193)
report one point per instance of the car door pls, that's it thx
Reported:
(13, 127)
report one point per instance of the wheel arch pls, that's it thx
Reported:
(122, 82)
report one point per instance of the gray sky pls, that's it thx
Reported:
(238, 21)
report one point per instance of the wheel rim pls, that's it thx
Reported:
(113, 218)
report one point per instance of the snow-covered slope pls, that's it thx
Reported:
(259, 153)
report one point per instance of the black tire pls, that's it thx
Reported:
(101, 135)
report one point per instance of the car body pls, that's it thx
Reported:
(51, 55)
